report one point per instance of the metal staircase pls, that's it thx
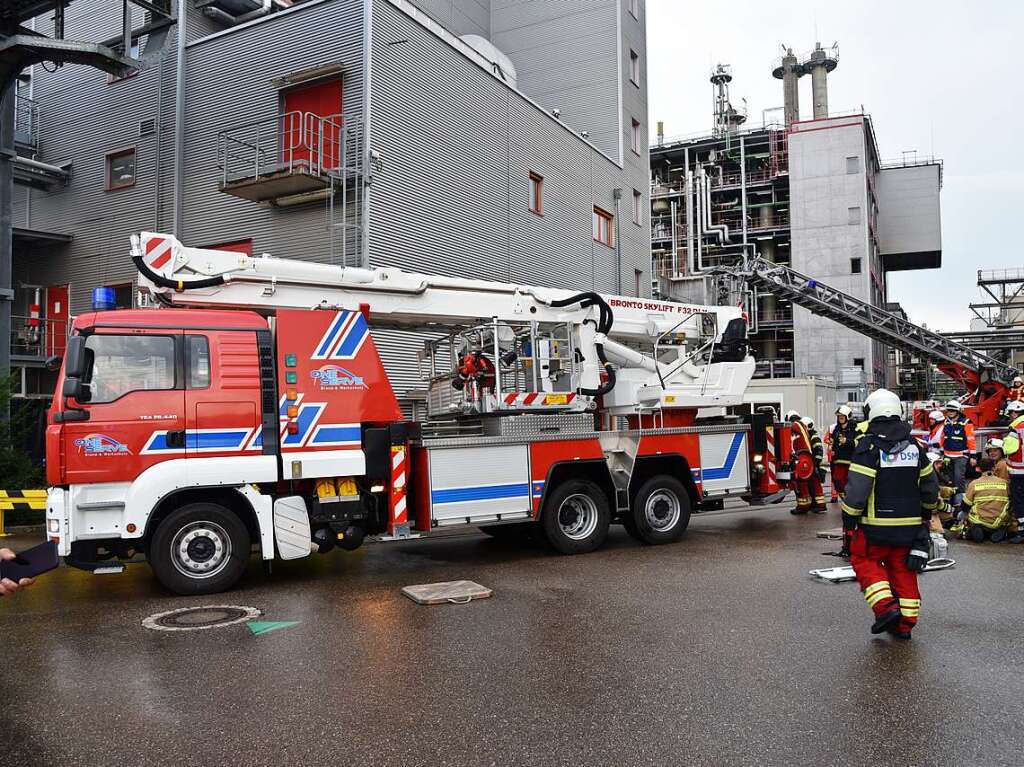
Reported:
(867, 319)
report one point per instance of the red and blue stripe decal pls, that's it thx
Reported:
(344, 337)
(480, 493)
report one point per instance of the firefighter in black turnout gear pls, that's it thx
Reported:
(890, 497)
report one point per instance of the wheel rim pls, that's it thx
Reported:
(662, 510)
(577, 517)
(201, 550)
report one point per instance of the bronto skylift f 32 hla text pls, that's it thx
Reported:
(252, 408)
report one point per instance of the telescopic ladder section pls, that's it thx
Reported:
(869, 320)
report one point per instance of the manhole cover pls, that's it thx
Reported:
(198, 618)
(456, 592)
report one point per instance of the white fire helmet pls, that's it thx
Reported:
(883, 403)
(844, 410)
(937, 416)
(807, 421)
(792, 415)
(1015, 407)
(954, 405)
(994, 443)
(1018, 381)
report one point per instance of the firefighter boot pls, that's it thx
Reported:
(998, 536)
(886, 621)
(977, 534)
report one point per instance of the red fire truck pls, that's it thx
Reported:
(251, 407)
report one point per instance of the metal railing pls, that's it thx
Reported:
(35, 337)
(26, 121)
(292, 142)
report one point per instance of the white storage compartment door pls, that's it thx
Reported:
(724, 462)
(477, 484)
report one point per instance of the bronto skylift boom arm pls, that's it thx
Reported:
(200, 277)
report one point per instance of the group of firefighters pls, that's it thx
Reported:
(894, 488)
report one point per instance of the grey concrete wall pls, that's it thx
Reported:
(566, 57)
(461, 17)
(824, 240)
(909, 223)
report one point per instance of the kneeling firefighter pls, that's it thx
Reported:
(890, 497)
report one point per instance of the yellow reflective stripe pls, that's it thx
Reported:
(867, 471)
(925, 471)
(908, 613)
(877, 597)
(910, 602)
(850, 510)
(931, 506)
(983, 498)
(892, 521)
(877, 586)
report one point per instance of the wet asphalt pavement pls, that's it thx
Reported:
(718, 650)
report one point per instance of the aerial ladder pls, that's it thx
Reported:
(986, 379)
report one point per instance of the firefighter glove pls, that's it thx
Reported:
(918, 556)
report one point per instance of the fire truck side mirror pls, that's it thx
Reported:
(74, 357)
(73, 387)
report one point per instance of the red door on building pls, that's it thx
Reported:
(56, 319)
(311, 124)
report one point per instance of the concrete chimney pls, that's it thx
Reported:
(789, 71)
(819, 64)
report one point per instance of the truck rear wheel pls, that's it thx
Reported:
(576, 517)
(660, 512)
(201, 548)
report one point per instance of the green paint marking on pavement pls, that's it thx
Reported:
(265, 627)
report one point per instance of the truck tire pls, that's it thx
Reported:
(575, 517)
(201, 548)
(660, 512)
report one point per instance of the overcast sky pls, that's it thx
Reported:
(940, 77)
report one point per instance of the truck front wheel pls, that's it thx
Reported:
(201, 548)
(576, 516)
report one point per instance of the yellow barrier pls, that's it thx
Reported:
(20, 500)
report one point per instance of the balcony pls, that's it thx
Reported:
(289, 159)
(34, 339)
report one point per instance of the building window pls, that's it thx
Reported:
(853, 164)
(638, 276)
(634, 67)
(638, 207)
(234, 246)
(854, 266)
(120, 169)
(635, 136)
(634, 8)
(858, 362)
(603, 221)
(854, 215)
(536, 194)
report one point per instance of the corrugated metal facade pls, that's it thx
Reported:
(450, 194)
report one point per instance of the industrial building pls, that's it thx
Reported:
(495, 139)
(813, 194)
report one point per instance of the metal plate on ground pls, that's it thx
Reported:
(453, 592)
(200, 618)
(844, 574)
(836, 534)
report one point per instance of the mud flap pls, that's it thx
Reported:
(291, 528)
